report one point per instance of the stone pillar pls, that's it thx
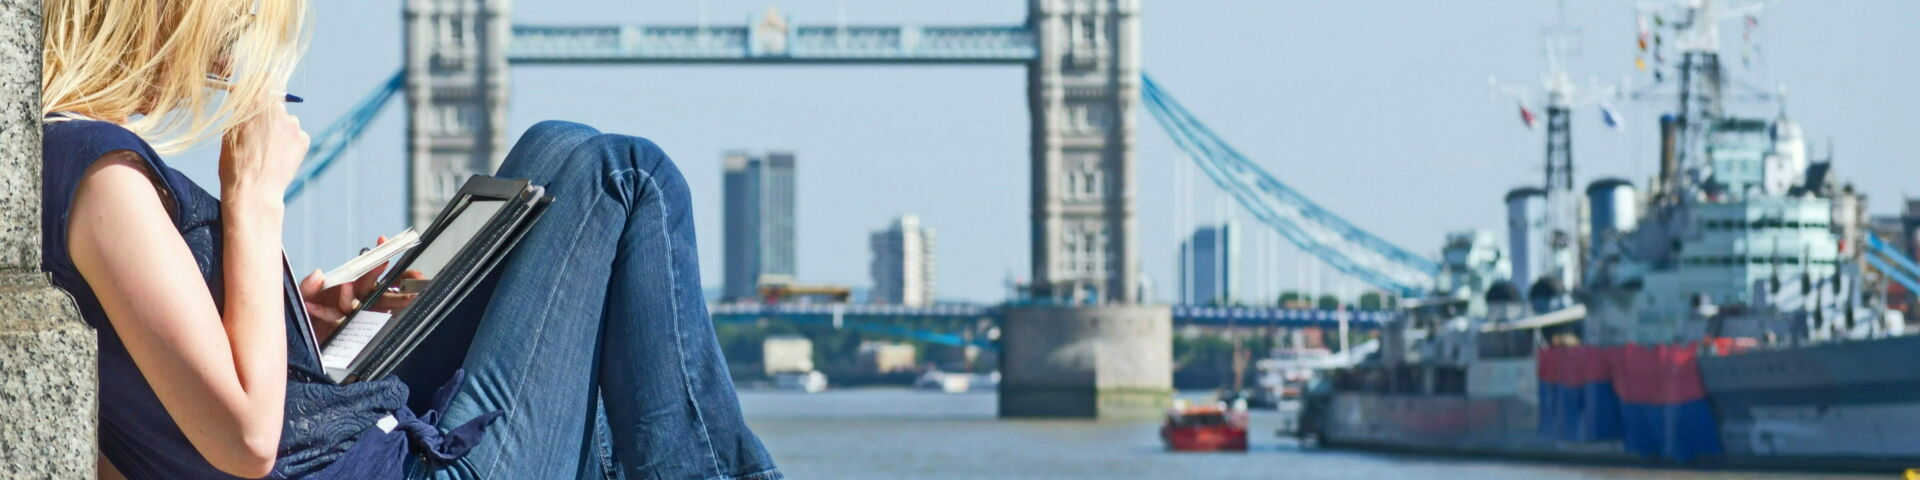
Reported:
(1109, 361)
(456, 54)
(47, 363)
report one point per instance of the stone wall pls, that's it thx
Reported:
(47, 374)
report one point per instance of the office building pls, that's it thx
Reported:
(758, 236)
(1207, 265)
(902, 264)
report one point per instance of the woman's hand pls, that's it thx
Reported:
(328, 307)
(260, 156)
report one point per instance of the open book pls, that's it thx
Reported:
(475, 231)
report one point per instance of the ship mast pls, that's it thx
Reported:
(1560, 96)
(1696, 24)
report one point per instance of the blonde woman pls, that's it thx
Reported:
(588, 354)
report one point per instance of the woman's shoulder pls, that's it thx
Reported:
(65, 134)
(70, 146)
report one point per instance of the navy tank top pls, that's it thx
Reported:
(331, 431)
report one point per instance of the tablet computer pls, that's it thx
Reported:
(467, 239)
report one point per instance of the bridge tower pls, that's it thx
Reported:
(1081, 93)
(1108, 355)
(456, 83)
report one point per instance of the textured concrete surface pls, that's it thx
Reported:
(1107, 361)
(48, 383)
(19, 134)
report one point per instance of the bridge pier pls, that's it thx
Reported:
(1086, 361)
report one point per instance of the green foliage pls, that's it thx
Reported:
(1289, 297)
(1327, 302)
(1376, 301)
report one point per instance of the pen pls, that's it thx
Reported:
(221, 83)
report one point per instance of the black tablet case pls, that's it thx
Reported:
(474, 262)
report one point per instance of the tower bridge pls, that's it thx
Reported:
(1082, 58)
(1080, 341)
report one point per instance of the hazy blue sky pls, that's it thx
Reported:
(1379, 110)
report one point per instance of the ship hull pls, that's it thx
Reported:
(1849, 406)
(1853, 401)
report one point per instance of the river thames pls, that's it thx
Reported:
(910, 434)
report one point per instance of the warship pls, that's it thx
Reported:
(1734, 312)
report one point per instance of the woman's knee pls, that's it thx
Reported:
(544, 147)
(551, 129)
(641, 159)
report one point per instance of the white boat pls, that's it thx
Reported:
(811, 381)
(956, 382)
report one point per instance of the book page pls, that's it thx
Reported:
(352, 338)
(373, 258)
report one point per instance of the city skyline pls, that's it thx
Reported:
(1452, 144)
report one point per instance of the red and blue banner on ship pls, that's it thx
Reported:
(1577, 399)
(1648, 397)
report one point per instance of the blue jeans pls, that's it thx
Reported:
(593, 336)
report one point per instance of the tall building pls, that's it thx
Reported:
(903, 263)
(1207, 265)
(758, 203)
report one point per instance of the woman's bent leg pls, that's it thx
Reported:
(611, 263)
(670, 403)
(529, 350)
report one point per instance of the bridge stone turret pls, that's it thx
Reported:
(456, 84)
(1082, 90)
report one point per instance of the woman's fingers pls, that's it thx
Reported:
(392, 302)
(263, 152)
(310, 286)
(321, 303)
(344, 298)
(366, 283)
(371, 280)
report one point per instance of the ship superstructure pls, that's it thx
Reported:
(1739, 238)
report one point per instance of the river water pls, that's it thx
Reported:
(910, 434)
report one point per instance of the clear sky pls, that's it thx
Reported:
(1378, 110)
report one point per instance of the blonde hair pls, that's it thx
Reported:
(146, 64)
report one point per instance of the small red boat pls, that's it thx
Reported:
(1205, 429)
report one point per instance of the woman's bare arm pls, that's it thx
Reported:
(221, 374)
(222, 378)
